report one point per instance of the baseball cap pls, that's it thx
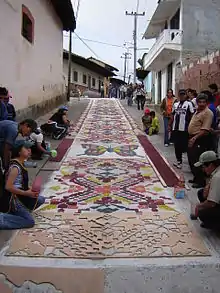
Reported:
(65, 108)
(182, 92)
(22, 143)
(206, 157)
(147, 111)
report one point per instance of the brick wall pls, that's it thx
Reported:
(200, 74)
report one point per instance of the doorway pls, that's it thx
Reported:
(89, 82)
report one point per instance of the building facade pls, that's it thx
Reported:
(185, 30)
(31, 48)
(86, 74)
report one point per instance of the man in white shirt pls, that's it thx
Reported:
(208, 211)
(181, 115)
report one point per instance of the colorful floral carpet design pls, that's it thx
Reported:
(107, 199)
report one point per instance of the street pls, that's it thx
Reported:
(106, 205)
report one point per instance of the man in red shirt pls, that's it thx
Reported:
(214, 90)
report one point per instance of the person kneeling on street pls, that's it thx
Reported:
(58, 125)
(20, 197)
(38, 147)
(208, 211)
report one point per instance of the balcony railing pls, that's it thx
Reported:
(167, 37)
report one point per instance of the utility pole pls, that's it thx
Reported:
(69, 66)
(125, 56)
(135, 15)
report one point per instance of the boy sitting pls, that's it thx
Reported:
(39, 146)
(155, 124)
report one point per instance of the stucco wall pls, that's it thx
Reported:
(32, 72)
(81, 71)
(201, 34)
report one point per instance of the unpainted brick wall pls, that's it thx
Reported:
(201, 75)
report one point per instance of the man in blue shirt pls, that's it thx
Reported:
(9, 130)
(3, 108)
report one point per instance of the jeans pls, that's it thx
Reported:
(140, 102)
(180, 139)
(200, 146)
(20, 218)
(209, 216)
(130, 100)
(166, 132)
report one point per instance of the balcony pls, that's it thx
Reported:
(164, 51)
(165, 9)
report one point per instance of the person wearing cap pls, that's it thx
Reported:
(58, 124)
(200, 138)
(166, 110)
(208, 211)
(146, 120)
(179, 121)
(19, 198)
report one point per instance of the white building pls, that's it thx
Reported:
(31, 51)
(184, 30)
(87, 73)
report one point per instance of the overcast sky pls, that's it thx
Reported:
(105, 21)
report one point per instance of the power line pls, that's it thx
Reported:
(98, 42)
(87, 45)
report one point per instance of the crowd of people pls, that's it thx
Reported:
(18, 143)
(191, 123)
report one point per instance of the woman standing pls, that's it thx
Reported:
(166, 109)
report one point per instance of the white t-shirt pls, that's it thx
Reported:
(37, 138)
(182, 112)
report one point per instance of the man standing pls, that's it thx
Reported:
(130, 92)
(9, 130)
(180, 119)
(200, 139)
(208, 211)
(102, 91)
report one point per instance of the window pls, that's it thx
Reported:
(93, 82)
(84, 79)
(27, 25)
(75, 76)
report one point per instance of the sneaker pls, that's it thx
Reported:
(166, 145)
(178, 165)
